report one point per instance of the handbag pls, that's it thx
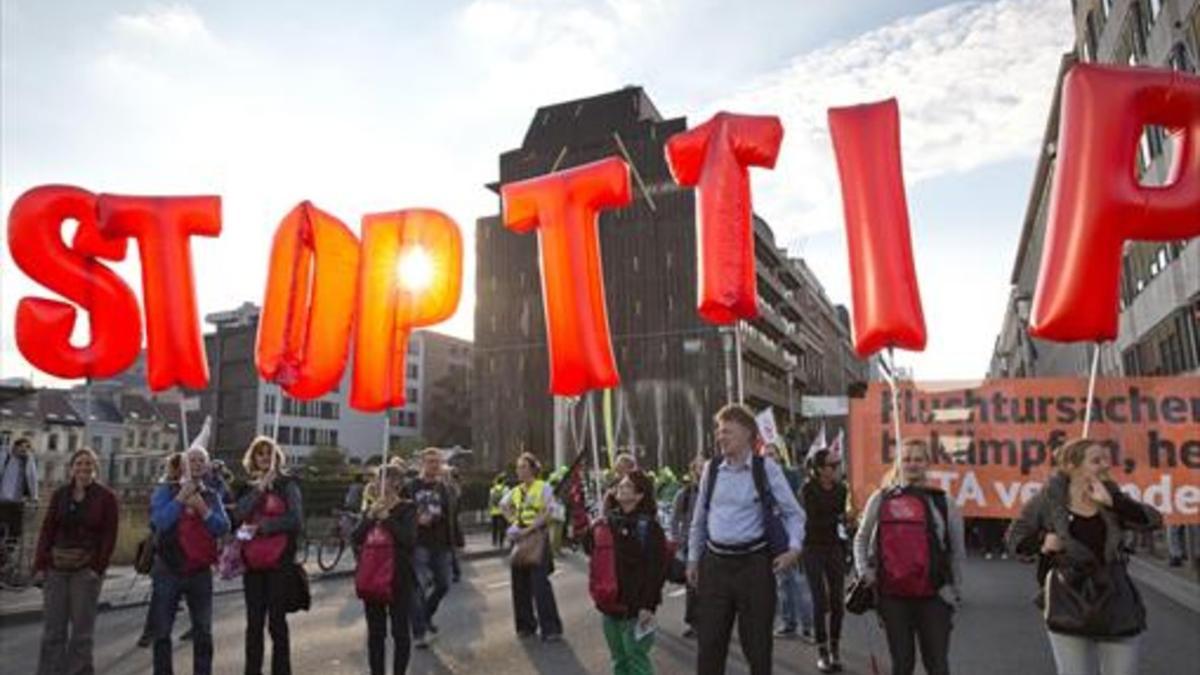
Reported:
(297, 594)
(70, 559)
(1092, 601)
(860, 596)
(143, 560)
(529, 551)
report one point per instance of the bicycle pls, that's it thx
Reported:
(333, 545)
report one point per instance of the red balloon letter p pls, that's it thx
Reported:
(1096, 202)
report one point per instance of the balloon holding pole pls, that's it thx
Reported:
(1087, 413)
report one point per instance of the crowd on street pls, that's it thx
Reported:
(775, 549)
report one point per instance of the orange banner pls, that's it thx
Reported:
(993, 442)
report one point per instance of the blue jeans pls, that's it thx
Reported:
(432, 567)
(197, 591)
(795, 599)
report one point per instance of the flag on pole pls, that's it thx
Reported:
(836, 448)
(819, 443)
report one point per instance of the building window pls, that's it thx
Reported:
(412, 370)
(285, 435)
(412, 394)
(52, 443)
(97, 443)
(269, 404)
(1090, 37)
(333, 437)
(72, 442)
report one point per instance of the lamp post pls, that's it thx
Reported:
(1023, 303)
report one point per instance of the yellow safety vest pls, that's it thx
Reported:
(528, 506)
(496, 497)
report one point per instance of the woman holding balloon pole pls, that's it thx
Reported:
(270, 509)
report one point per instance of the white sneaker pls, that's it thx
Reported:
(987, 556)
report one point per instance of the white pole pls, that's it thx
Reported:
(595, 451)
(278, 409)
(387, 421)
(187, 466)
(741, 381)
(1087, 414)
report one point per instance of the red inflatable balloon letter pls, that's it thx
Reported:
(410, 276)
(1096, 203)
(162, 226)
(563, 207)
(887, 301)
(44, 326)
(308, 312)
(714, 157)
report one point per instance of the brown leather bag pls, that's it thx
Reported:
(70, 559)
(530, 550)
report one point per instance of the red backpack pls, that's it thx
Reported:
(265, 552)
(198, 545)
(912, 560)
(603, 585)
(376, 566)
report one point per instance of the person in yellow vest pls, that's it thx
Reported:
(495, 495)
(527, 506)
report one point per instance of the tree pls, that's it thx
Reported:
(326, 463)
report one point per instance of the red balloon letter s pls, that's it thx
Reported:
(714, 157)
(44, 326)
(1096, 203)
(563, 207)
(883, 281)
(162, 226)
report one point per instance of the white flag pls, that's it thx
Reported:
(819, 443)
(767, 428)
(836, 448)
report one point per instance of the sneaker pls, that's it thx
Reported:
(187, 635)
(1176, 561)
(552, 637)
(689, 632)
(421, 642)
(987, 556)
(1004, 555)
(825, 664)
(786, 632)
(526, 634)
(145, 640)
(807, 636)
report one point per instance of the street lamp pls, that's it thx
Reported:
(1023, 303)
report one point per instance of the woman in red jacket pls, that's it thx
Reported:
(73, 550)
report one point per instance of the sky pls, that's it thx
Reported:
(371, 107)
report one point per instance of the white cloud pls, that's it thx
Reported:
(974, 82)
(172, 24)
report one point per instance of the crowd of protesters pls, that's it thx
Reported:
(750, 536)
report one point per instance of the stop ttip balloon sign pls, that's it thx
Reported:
(328, 289)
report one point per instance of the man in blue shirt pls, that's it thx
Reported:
(730, 560)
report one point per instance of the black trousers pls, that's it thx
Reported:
(264, 593)
(928, 620)
(825, 567)
(377, 631)
(499, 527)
(738, 588)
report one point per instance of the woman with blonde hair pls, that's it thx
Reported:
(1075, 526)
(909, 546)
(271, 513)
(73, 551)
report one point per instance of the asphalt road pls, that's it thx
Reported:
(997, 631)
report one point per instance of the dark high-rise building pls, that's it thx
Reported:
(676, 370)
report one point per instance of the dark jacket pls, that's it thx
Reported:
(1049, 511)
(641, 570)
(91, 524)
(402, 523)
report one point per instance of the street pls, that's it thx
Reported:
(998, 631)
